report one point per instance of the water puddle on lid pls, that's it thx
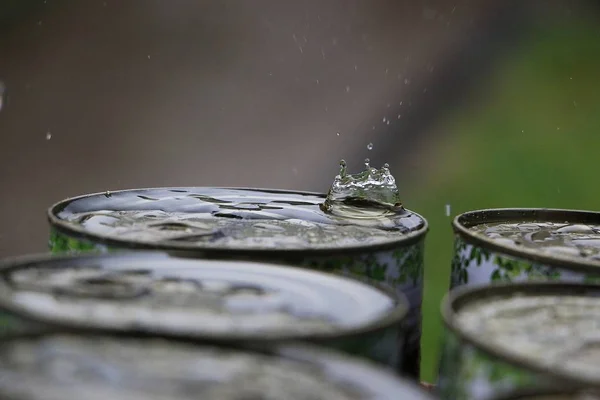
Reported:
(360, 209)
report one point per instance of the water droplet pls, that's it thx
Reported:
(388, 105)
(342, 168)
(39, 23)
(356, 67)
(48, 135)
(388, 122)
(317, 81)
(108, 193)
(401, 102)
(406, 81)
(384, 119)
(373, 127)
(148, 56)
(337, 134)
(2, 91)
(447, 210)
(399, 116)
(370, 146)
(347, 88)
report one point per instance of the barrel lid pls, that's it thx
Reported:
(463, 225)
(546, 327)
(229, 220)
(67, 366)
(164, 293)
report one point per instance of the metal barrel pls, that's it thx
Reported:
(397, 262)
(475, 365)
(63, 365)
(479, 259)
(155, 293)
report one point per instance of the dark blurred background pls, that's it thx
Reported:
(473, 104)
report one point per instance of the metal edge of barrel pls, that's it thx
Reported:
(399, 263)
(468, 363)
(556, 393)
(478, 259)
(380, 340)
(337, 366)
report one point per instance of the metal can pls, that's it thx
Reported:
(63, 365)
(554, 394)
(154, 293)
(252, 224)
(509, 336)
(500, 245)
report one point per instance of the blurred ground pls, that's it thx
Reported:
(488, 103)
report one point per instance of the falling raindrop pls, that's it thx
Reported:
(370, 146)
(399, 116)
(148, 56)
(2, 91)
(406, 81)
(337, 134)
(347, 88)
(48, 135)
(384, 119)
(388, 122)
(447, 210)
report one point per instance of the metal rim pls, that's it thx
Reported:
(454, 299)
(392, 319)
(462, 222)
(293, 351)
(533, 394)
(77, 232)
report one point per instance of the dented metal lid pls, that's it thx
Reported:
(67, 366)
(226, 300)
(231, 220)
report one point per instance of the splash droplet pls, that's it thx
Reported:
(337, 134)
(447, 210)
(384, 119)
(399, 116)
(369, 194)
(342, 168)
(347, 88)
(370, 146)
(48, 135)
(406, 81)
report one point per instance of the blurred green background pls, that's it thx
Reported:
(531, 139)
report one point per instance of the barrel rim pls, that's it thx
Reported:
(461, 295)
(396, 317)
(554, 390)
(214, 252)
(462, 222)
(293, 351)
